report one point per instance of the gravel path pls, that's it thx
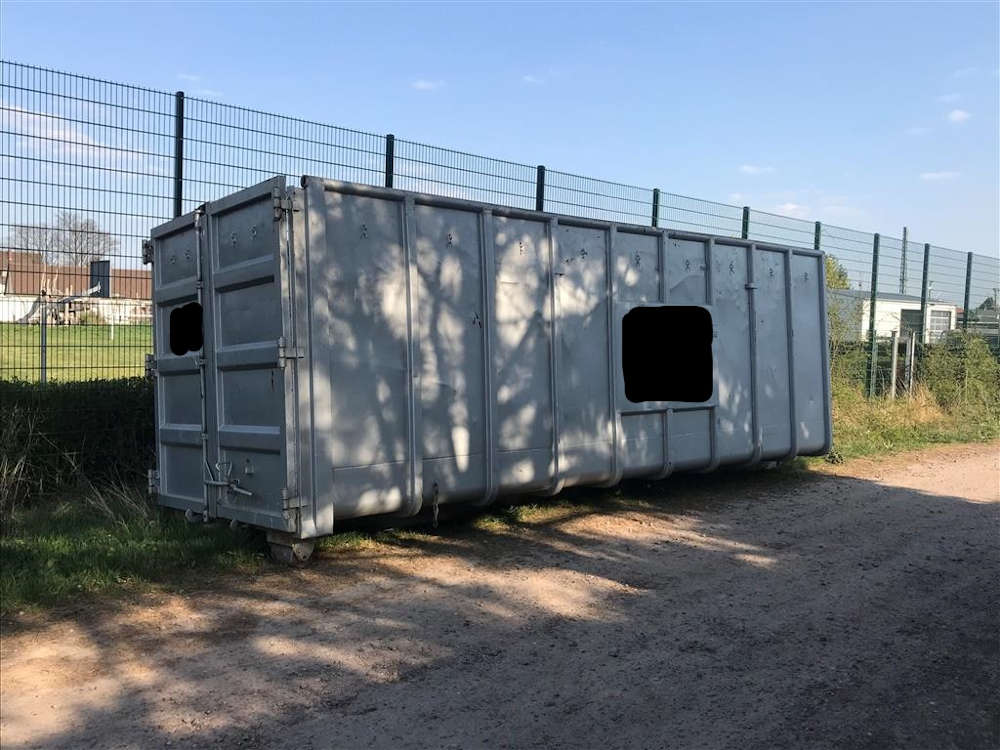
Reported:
(856, 608)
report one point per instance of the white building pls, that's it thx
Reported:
(893, 312)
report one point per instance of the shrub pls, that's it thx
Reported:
(55, 433)
(962, 372)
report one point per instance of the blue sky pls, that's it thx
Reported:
(866, 116)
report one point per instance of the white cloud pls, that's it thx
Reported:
(794, 210)
(918, 130)
(190, 77)
(755, 169)
(949, 98)
(965, 72)
(58, 137)
(958, 115)
(422, 84)
(938, 176)
(535, 80)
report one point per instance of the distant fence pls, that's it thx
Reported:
(90, 166)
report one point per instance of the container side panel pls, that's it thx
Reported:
(252, 397)
(643, 443)
(359, 354)
(582, 351)
(772, 352)
(637, 267)
(249, 315)
(688, 443)
(689, 439)
(810, 378)
(731, 321)
(452, 320)
(686, 272)
(177, 254)
(521, 355)
(182, 400)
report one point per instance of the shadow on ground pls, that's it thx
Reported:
(738, 611)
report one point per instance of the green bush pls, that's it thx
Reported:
(55, 434)
(961, 372)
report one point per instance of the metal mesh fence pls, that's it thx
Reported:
(440, 171)
(781, 230)
(228, 148)
(90, 166)
(87, 169)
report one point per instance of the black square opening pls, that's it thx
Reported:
(667, 354)
(186, 329)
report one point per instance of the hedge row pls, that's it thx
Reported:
(101, 430)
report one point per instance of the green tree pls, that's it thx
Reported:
(836, 274)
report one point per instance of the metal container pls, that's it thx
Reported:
(336, 351)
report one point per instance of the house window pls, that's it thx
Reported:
(939, 324)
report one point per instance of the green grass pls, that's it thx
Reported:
(77, 352)
(111, 541)
(863, 427)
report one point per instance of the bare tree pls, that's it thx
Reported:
(71, 240)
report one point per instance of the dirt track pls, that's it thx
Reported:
(856, 610)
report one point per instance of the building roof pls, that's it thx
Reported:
(27, 273)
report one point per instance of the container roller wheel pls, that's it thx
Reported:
(288, 550)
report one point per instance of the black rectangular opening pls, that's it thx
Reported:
(186, 329)
(667, 354)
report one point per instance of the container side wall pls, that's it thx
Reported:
(456, 350)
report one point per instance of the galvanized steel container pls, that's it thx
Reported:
(336, 351)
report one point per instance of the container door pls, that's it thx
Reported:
(251, 372)
(179, 347)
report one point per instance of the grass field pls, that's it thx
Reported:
(78, 352)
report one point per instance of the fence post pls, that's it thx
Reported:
(818, 236)
(923, 294)
(895, 363)
(540, 188)
(908, 362)
(872, 340)
(178, 153)
(390, 159)
(656, 207)
(968, 290)
(745, 234)
(43, 335)
(902, 265)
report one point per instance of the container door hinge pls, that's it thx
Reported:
(286, 352)
(290, 499)
(281, 204)
(147, 252)
(153, 481)
(150, 367)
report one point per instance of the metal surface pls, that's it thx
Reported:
(367, 351)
